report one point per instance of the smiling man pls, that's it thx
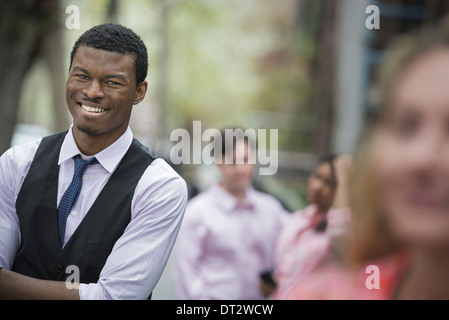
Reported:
(90, 213)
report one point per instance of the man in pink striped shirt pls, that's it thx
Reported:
(227, 237)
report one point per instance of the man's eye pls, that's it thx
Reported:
(81, 76)
(113, 83)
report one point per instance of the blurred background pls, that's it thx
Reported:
(303, 67)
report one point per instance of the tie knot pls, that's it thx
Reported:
(80, 164)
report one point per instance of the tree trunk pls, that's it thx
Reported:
(23, 24)
(161, 90)
(112, 11)
(53, 54)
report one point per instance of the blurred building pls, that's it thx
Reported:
(332, 105)
(356, 52)
(343, 66)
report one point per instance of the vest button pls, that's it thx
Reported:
(58, 267)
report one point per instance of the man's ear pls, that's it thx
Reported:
(141, 90)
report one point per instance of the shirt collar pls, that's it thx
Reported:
(230, 203)
(109, 158)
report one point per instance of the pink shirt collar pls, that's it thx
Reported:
(229, 203)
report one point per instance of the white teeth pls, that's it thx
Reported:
(92, 109)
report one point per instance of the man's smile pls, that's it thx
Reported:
(92, 109)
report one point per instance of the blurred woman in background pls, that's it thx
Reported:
(400, 186)
(306, 238)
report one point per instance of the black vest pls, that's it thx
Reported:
(40, 254)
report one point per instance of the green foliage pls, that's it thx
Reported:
(228, 63)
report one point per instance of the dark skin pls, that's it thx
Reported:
(105, 82)
(326, 192)
(321, 188)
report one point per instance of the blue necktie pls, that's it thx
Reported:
(71, 195)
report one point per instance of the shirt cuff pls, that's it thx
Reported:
(92, 291)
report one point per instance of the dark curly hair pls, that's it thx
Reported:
(116, 38)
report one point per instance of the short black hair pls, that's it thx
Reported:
(116, 38)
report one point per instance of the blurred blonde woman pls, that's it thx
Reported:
(400, 184)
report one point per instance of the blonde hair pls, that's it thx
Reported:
(370, 237)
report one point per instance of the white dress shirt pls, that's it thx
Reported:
(139, 256)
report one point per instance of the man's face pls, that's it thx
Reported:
(236, 177)
(101, 91)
